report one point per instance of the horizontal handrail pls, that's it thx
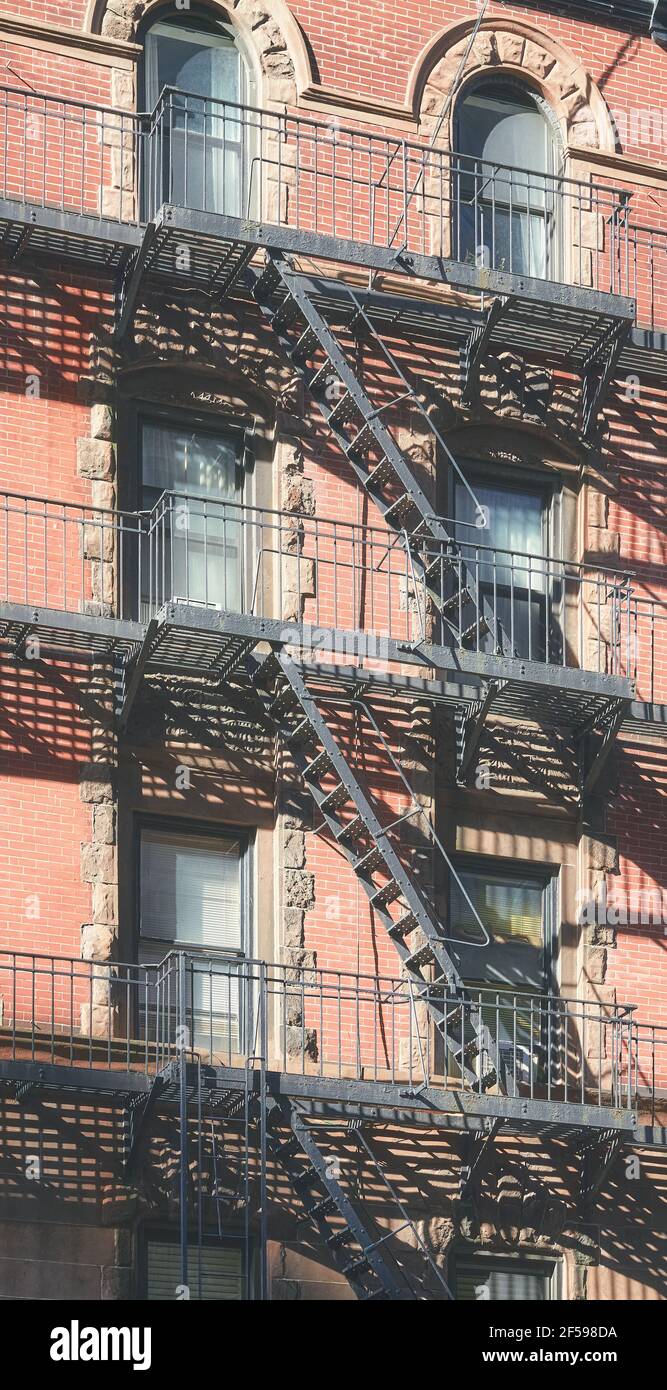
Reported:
(318, 1022)
(316, 574)
(288, 168)
(319, 577)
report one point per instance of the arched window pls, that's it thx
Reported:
(505, 181)
(195, 82)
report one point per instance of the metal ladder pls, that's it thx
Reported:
(359, 1251)
(397, 901)
(381, 467)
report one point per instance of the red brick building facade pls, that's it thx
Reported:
(334, 620)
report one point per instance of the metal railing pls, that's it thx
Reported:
(358, 586)
(327, 1024)
(319, 178)
(644, 272)
(648, 642)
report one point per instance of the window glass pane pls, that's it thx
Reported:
(208, 65)
(191, 891)
(511, 908)
(515, 518)
(502, 191)
(506, 559)
(221, 1272)
(195, 154)
(188, 460)
(505, 131)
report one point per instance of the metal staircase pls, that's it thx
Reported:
(386, 475)
(364, 1254)
(397, 901)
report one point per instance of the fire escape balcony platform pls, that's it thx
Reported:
(538, 315)
(63, 633)
(544, 316)
(97, 243)
(334, 1097)
(199, 640)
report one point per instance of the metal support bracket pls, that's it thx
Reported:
(597, 1161)
(138, 1114)
(591, 774)
(475, 349)
(477, 1156)
(136, 670)
(473, 729)
(597, 372)
(131, 281)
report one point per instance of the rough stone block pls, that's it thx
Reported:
(510, 48)
(104, 824)
(95, 459)
(122, 88)
(537, 61)
(98, 863)
(101, 421)
(299, 889)
(294, 919)
(105, 904)
(294, 849)
(117, 206)
(96, 782)
(97, 942)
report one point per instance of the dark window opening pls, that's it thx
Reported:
(215, 1273)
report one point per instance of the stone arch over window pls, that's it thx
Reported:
(267, 34)
(519, 51)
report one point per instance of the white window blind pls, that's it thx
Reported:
(221, 1272)
(191, 891)
(498, 1281)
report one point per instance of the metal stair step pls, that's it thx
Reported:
(304, 346)
(397, 511)
(344, 410)
(402, 928)
(334, 799)
(382, 473)
(388, 893)
(340, 1238)
(318, 768)
(372, 859)
(325, 1207)
(351, 830)
(424, 956)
